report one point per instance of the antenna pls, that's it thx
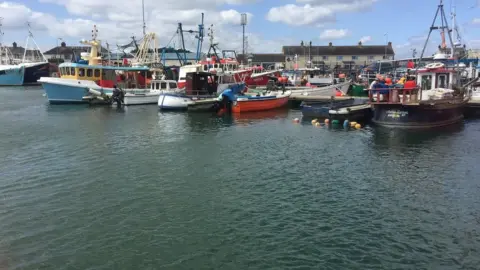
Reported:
(243, 22)
(94, 32)
(210, 33)
(143, 15)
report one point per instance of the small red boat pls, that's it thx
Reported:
(253, 103)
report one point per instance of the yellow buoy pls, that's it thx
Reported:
(352, 124)
(327, 121)
(357, 126)
(314, 121)
(317, 124)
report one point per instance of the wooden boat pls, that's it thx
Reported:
(435, 96)
(244, 102)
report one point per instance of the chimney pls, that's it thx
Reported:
(14, 44)
(389, 44)
(63, 44)
(330, 44)
(359, 44)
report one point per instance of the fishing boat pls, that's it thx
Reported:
(198, 86)
(146, 96)
(81, 81)
(237, 102)
(435, 96)
(17, 72)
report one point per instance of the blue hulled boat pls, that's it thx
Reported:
(11, 75)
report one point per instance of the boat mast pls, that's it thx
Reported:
(182, 40)
(1, 44)
(200, 39)
(30, 35)
(444, 25)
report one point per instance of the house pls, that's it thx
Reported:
(16, 52)
(265, 60)
(64, 53)
(340, 58)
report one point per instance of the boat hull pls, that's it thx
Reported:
(253, 105)
(35, 72)
(171, 101)
(353, 113)
(418, 116)
(68, 91)
(11, 75)
(141, 99)
(321, 91)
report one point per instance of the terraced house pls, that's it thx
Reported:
(340, 58)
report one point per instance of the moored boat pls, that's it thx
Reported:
(81, 81)
(11, 75)
(198, 86)
(237, 102)
(435, 96)
(150, 96)
(350, 109)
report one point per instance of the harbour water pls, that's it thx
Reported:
(105, 188)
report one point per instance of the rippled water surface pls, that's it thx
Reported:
(101, 188)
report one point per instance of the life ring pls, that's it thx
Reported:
(434, 65)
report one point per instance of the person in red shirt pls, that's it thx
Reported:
(410, 83)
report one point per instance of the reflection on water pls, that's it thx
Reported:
(394, 137)
(135, 188)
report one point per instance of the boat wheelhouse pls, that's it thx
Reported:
(79, 80)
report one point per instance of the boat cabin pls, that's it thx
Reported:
(201, 83)
(434, 82)
(107, 76)
(163, 85)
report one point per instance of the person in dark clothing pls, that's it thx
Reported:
(117, 95)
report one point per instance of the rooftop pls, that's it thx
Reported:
(331, 49)
(64, 49)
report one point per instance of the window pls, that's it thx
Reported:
(67, 71)
(72, 71)
(172, 85)
(324, 57)
(205, 68)
(339, 57)
(215, 66)
(81, 72)
(163, 85)
(354, 57)
(157, 86)
(97, 73)
(426, 82)
(89, 73)
(442, 80)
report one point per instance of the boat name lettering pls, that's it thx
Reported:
(396, 113)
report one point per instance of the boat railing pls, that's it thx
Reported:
(403, 96)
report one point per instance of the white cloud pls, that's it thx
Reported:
(315, 11)
(299, 15)
(331, 34)
(365, 39)
(476, 21)
(118, 20)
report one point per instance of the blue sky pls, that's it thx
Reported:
(271, 24)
